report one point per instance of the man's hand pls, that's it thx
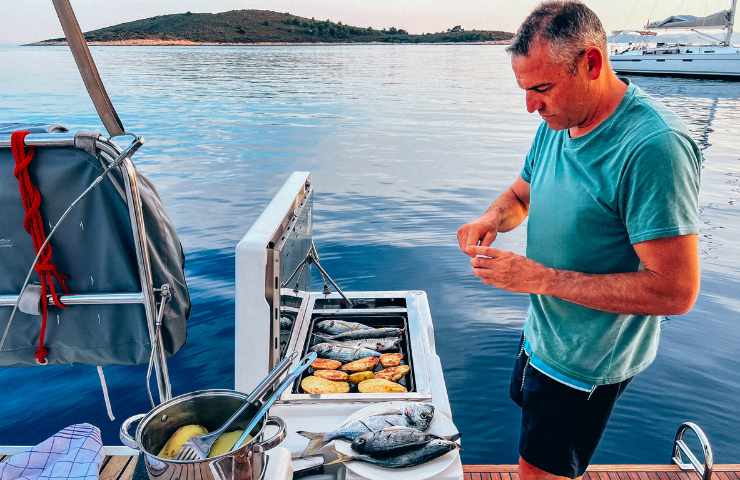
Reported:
(481, 231)
(507, 270)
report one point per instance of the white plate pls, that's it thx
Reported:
(441, 425)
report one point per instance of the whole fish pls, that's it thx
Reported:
(414, 415)
(378, 344)
(408, 458)
(391, 440)
(367, 333)
(343, 353)
(334, 327)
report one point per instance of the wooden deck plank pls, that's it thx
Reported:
(128, 472)
(114, 467)
(610, 472)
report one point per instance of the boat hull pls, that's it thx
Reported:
(698, 65)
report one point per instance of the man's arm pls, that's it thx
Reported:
(667, 285)
(506, 213)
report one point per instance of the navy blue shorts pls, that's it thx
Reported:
(561, 426)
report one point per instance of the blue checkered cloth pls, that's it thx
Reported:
(74, 453)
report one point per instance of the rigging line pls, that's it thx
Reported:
(130, 150)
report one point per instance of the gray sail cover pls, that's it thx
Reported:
(719, 19)
(95, 248)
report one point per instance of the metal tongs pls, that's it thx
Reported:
(198, 447)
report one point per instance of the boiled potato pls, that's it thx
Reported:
(224, 442)
(333, 375)
(360, 377)
(380, 385)
(367, 363)
(178, 439)
(393, 374)
(312, 384)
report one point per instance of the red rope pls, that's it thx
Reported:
(34, 225)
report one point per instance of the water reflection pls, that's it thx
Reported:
(405, 143)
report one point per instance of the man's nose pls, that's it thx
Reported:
(533, 103)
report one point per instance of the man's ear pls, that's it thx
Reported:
(594, 62)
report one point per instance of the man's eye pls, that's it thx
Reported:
(541, 89)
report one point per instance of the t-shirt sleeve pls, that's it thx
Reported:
(529, 160)
(659, 188)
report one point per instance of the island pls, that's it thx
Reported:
(265, 27)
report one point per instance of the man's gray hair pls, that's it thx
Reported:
(568, 27)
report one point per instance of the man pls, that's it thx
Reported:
(610, 186)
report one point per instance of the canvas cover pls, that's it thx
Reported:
(719, 19)
(95, 248)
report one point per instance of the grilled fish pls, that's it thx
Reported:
(343, 353)
(415, 415)
(369, 332)
(409, 458)
(387, 344)
(392, 440)
(335, 327)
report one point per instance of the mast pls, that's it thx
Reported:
(730, 23)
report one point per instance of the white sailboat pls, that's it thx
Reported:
(717, 58)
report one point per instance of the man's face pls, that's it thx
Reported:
(559, 96)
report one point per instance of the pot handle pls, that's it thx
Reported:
(123, 434)
(275, 440)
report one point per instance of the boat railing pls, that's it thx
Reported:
(681, 448)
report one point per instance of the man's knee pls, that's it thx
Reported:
(527, 471)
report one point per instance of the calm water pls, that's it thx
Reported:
(405, 143)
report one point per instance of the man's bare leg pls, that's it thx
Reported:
(527, 471)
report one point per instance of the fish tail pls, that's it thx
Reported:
(341, 458)
(316, 442)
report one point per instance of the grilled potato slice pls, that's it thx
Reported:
(361, 377)
(380, 385)
(391, 359)
(312, 384)
(325, 364)
(367, 363)
(393, 374)
(333, 375)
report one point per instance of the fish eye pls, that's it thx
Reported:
(360, 441)
(425, 414)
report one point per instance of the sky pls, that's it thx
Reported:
(34, 20)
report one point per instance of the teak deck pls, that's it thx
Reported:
(609, 472)
(122, 468)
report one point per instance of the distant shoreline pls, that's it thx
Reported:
(144, 42)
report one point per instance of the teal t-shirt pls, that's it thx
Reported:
(634, 178)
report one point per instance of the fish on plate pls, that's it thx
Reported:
(408, 458)
(415, 415)
(394, 440)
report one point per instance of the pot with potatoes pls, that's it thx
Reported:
(161, 433)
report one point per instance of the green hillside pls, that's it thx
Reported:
(258, 26)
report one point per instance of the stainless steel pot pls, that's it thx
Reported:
(210, 408)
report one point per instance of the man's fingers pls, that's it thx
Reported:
(487, 251)
(488, 239)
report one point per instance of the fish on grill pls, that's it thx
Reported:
(362, 334)
(335, 327)
(343, 353)
(378, 344)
